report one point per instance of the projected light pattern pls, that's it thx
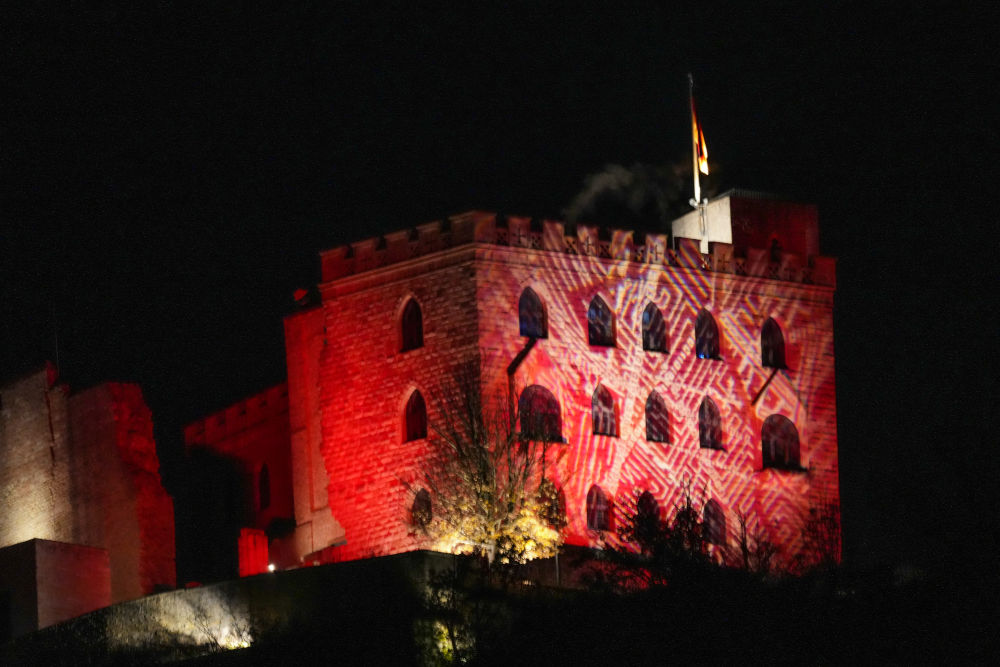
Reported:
(593, 298)
(732, 475)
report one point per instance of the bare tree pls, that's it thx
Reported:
(485, 479)
(756, 552)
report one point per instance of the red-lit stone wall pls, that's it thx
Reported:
(469, 294)
(316, 528)
(254, 433)
(365, 382)
(47, 582)
(75, 580)
(120, 502)
(252, 548)
(571, 369)
(758, 221)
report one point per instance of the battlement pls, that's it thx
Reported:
(686, 251)
(220, 426)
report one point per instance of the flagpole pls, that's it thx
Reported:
(699, 164)
(696, 201)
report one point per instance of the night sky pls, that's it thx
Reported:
(169, 176)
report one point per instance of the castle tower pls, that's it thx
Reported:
(705, 362)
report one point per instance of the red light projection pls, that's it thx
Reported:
(252, 551)
(633, 299)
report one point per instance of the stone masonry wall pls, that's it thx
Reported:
(254, 432)
(365, 382)
(120, 502)
(74, 580)
(316, 528)
(564, 363)
(35, 498)
(469, 298)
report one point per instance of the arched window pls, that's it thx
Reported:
(421, 512)
(531, 315)
(540, 415)
(598, 512)
(602, 411)
(714, 523)
(654, 330)
(709, 425)
(416, 417)
(264, 488)
(706, 336)
(779, 443)
(412, 326)
(600, 323)
(772, 345)
(657, 419)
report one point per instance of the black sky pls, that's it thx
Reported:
(168, 176)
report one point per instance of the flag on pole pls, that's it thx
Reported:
(698, 141)
(699, 149)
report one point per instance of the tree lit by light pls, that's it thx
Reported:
(487, 485)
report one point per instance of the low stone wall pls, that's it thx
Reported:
(345, 604)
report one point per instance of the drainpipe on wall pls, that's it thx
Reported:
(512, 368)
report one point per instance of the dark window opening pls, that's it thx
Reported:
(264, 488)
(772, 345)
(531, 315)
(421, 511)
(416, 417)
(780, 443)
(709, 425)
(714, 523)
(412, 326)
(706, 336)
(600, 324)
(654, 330)
(540, 415)
(598, 512)
(657, 419)
(602, 407)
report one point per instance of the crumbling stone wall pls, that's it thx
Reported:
(122, 505)
(83, 469)
(35, 475)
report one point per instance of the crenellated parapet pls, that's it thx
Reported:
(220, 427)
(583, 240)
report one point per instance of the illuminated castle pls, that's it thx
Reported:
(705, 360)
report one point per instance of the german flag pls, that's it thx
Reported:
(698, 144)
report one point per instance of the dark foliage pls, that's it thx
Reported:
(651, 551)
